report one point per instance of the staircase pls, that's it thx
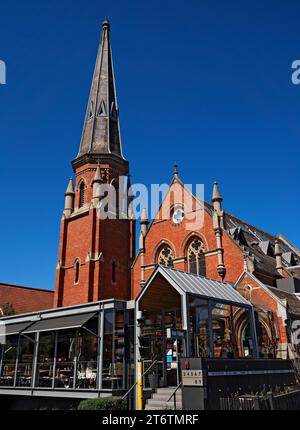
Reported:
(159, 399)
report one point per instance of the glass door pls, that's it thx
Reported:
(175, 347)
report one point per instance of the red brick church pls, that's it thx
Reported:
(263, 268)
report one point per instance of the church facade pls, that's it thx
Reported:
(221, 289)
(221, 248)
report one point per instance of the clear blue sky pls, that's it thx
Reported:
(204, 83)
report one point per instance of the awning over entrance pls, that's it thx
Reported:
(201, 286)
(182, 314)
(188, 283)
(49, 324)
(168, 288)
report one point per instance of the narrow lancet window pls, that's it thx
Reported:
(77, 269)
(81, 194)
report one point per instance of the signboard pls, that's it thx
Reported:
(192, 378)
(177, 334)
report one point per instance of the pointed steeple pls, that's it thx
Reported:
(101, 132)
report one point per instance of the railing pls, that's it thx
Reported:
(239, 403)
(136, 382)
(284, 401)
(153, 379)
(174, 395)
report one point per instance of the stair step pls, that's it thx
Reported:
(163, 398)
(153, 408)
(155, 403)
(163, 406)
(159, 402)
(168, 393)
(159, 399)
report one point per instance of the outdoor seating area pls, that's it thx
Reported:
(83, 349)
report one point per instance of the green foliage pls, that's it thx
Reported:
(103, 403)
(7, 309)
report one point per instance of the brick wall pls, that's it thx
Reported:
(25, 299)
(97, 245)
(178, 236)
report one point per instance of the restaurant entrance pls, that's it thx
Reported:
(183, 315)
(162, 341)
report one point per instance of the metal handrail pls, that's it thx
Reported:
(174, 394)
(136, 382)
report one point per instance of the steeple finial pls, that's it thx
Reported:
(175, 168)
(101, 132)
(105, 23)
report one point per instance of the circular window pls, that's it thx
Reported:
(178, 215)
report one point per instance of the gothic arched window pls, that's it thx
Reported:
(165, 256)
(196, 257)
(77, 268)
(81, 194)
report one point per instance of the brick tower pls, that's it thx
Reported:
(95, 254)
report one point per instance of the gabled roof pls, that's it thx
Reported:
(252, 241)
(188, 283)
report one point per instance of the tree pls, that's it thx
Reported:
(7, 309)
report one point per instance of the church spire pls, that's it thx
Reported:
(101, 132)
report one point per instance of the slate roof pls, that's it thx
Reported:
(293, 302)
(258, 244)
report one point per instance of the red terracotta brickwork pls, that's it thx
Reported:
(178, 237)
(25, 299)
(97, 245)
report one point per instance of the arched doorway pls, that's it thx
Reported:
(266, 339)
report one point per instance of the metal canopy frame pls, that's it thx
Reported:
(189, 290)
